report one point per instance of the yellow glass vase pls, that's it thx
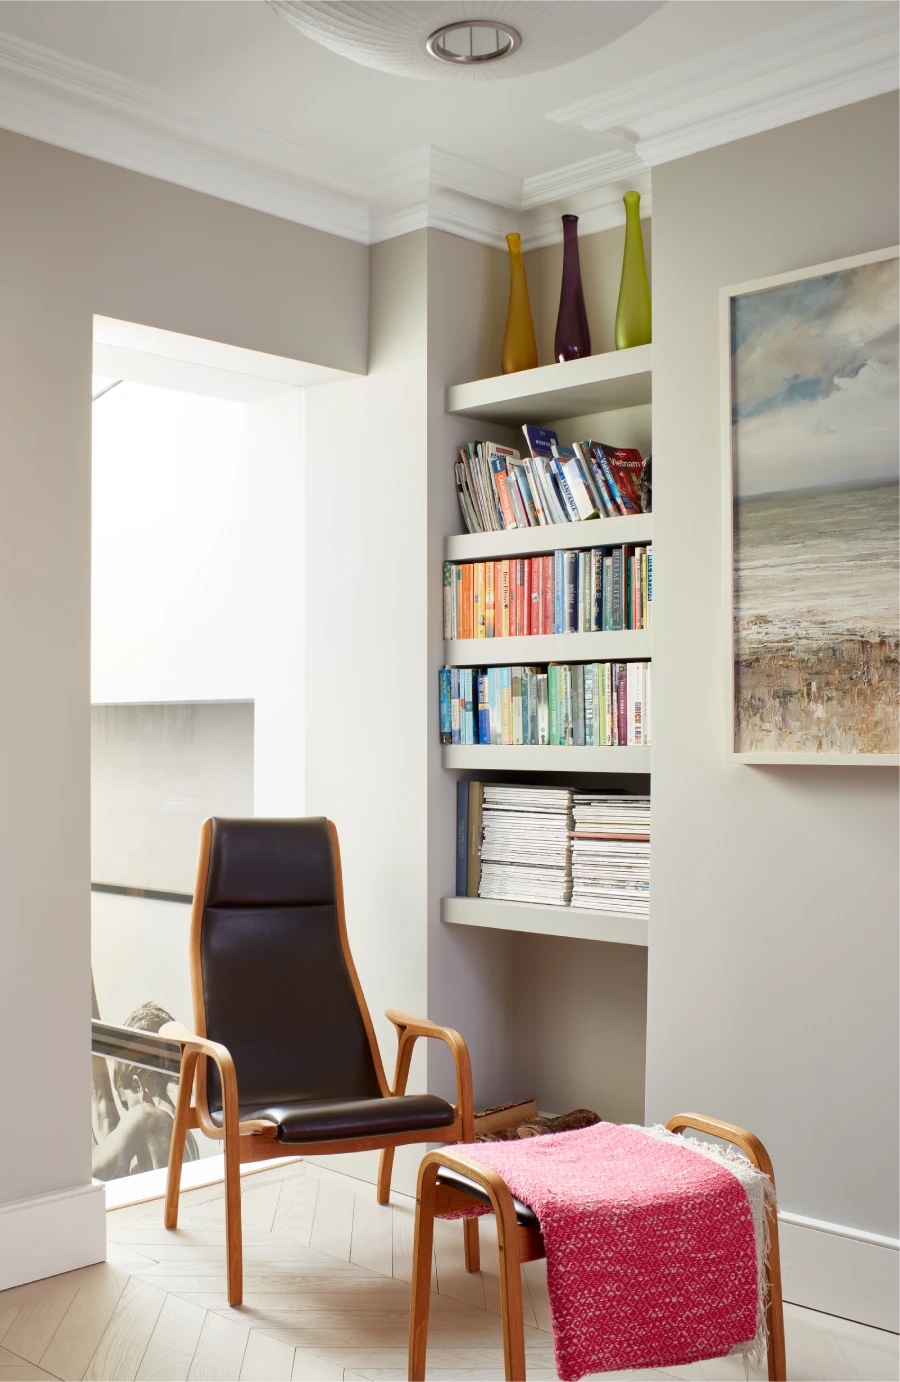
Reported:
(519, 345)
(633, 322)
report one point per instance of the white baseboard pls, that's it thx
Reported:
(842, 1271)
(48, 1234)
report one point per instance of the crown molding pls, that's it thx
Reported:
(800, 69)
(72, 104)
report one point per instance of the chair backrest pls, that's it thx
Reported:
(271, 971)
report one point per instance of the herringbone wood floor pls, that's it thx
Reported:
(325, 1297)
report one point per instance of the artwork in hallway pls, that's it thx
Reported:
(813, 370)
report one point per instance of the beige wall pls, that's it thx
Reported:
(773, 933)
(79, 237)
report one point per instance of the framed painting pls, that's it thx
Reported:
(812, 544)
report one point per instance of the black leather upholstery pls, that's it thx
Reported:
(278, 993)
(332, 1120)
(524, 1213)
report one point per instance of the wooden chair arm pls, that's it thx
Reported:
(193, 1046)
(748, 1142)
(409, 1029)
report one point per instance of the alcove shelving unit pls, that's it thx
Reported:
(549, 396)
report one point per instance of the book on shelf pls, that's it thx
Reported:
(611, 853)
(595, 704)
(498, 489)
(557, 846)
(591, 590)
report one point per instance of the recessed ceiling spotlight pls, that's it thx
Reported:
(468, 37)
(470, 41)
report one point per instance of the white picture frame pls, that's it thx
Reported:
(734, 752)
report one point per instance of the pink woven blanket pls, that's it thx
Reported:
(651, 1249)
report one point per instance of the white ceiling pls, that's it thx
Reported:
(239, 59)
(183, 84)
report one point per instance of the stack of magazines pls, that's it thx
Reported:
(526, 846)
(611, 853)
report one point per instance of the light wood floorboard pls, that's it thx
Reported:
(326, 1299)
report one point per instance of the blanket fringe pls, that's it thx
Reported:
(760, 1193)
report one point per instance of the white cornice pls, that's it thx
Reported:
(799, 69)
(803, 68)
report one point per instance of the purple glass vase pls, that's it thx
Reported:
(573, 335)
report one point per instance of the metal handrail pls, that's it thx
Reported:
(144, 1049)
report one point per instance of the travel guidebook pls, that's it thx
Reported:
(499, 489)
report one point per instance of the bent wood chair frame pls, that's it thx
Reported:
(257, 1140)
(518, 1243)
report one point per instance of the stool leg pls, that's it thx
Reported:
(775, 1349)
(472, 1244)
(511, 1292)
(420, 1296)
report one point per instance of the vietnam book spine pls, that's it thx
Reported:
(516, 704)
(473, 860)
(578, 717)
(606, 471)
(448, 599)
(505, 679)
(484, 709)
(462, 838)
(444, 705)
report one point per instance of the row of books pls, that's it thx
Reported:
(607, 704)
(589, 591)
(499, 489)
(553, 845)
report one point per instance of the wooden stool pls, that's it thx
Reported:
(448, 1182)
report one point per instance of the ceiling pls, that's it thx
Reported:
(350, 149)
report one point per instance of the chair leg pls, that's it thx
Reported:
(385, 1168)
(472, 1245)
(423, 1248)
(511, 1295)
(179, 1136)
(233, 1234)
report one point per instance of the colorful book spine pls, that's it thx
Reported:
(484, 709)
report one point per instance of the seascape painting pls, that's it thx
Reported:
(815, 456)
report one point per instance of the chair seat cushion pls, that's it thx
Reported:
(524, 1213)
(332, 1120)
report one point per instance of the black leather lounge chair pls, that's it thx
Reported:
(283, 1058)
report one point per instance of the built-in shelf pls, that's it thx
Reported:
(548, 758)
(581, 923)
(597, 384)
(525, 542)
(621, 646)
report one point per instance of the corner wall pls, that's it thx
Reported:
(773, 933)
(79, 237)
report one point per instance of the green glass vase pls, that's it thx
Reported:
(519, 345)
(633, 326)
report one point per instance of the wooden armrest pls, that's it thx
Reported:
(409, 1029)
(176, 1031)
(748, 1142)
